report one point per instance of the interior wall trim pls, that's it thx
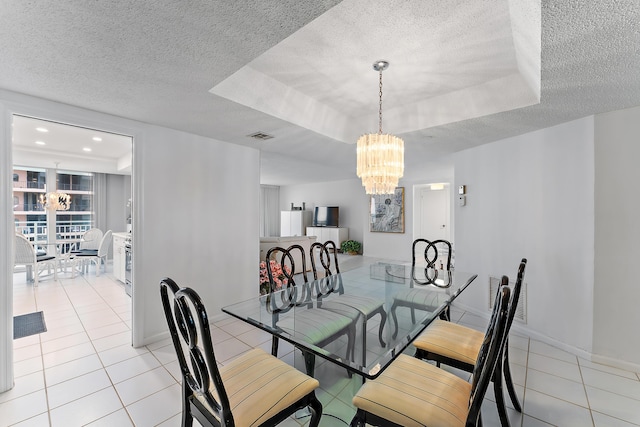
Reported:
(587, 355)
(6, 252)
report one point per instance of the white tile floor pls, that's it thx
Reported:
(83, 370)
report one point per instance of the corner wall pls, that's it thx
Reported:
(195, 220)
(617, 233)
(531, 196)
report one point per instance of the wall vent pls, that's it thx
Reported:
(260, 136)
(521, 310)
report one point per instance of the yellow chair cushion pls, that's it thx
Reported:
(411, 392)
(260, 386)
(451, 340)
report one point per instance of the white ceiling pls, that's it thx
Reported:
(156, 62)
(316, 80)
(46, 144)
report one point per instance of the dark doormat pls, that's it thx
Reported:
(28, 324)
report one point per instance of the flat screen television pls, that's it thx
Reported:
(325, 216)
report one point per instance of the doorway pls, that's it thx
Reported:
(432, 211)
(91, 167)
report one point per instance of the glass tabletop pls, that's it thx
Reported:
(401, 299)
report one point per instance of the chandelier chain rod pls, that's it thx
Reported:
(380, 110)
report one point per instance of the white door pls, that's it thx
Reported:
(434, 213)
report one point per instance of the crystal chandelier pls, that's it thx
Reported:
(56, 201)
(380, 156)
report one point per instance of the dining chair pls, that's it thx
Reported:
(316, 326)
(437, 265)
(25, 254)
(458, 346)
(255, 389)
(366, 306)
(412, 392)
(91, 239)
(97, 256)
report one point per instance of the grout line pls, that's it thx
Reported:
(524, 386)
(607, 390)
(101, 290)
(586, 395)
(91, 340)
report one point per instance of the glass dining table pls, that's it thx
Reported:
(410, 298)
(61, 249)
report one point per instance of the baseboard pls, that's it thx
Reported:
(166, 335)
(616, 363)
(155, 338)
(522, 329)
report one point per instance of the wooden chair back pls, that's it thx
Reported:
(323, 250)
(189, 327)
(490, 351)
(91, 239)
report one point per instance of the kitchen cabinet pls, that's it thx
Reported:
(336, 234)
(294, 223)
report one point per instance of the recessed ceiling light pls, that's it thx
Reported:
(41, 143)
(42, 129)
(97, 138)
(87, 149)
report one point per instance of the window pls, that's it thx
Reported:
(36, 179)
(30, 218)
(74, 182)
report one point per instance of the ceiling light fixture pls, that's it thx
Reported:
(41, 143)
(380, 156)
(43, 130)
(87, 149)
(97, 138)
(55, 201)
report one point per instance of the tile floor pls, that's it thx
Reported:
(83, 370)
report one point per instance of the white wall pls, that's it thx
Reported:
(531, 196)
(348, 195)
(354, 209)
(194, 216)
(195, 220)
(617, 233)
(564, 198)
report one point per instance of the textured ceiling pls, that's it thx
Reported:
(156, 62)
(477, 58)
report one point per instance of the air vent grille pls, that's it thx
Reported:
(521, 309)
(261, 136)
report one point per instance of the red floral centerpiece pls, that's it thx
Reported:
(279, 277)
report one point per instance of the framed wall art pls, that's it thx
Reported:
(387, 212)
